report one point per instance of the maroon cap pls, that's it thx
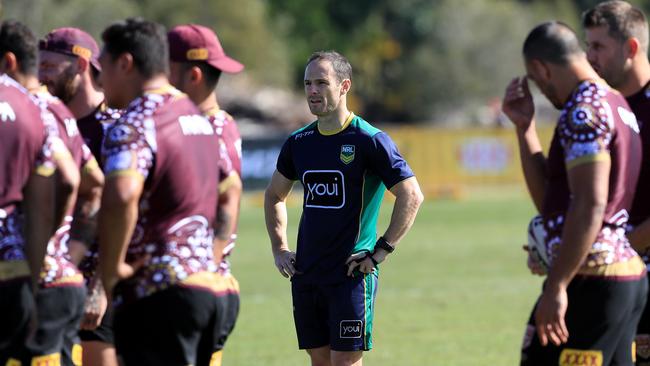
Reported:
(193, 42)
(74, 42)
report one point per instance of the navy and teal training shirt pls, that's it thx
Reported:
(344, 176)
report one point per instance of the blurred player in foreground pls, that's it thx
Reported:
(617, 48)
(596, 286)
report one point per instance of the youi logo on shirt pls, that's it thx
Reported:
(324, 188)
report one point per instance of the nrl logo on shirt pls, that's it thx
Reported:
(347, 154)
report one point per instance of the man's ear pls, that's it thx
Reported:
(632, 46)
(346, 84)
(8, 63)
(125, 62)
(195, 75)
(82, 64)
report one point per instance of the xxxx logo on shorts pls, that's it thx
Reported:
(347, 153)
(579, 357)
(643, 346)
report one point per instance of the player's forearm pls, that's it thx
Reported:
(116, 224)
(275, 214)
(408, 198)
(533, 164)
(39, 221)
(640, 236)
(582, 223)
(68, 179)
(84, 224)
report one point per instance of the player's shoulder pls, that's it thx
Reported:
(591, 107)
(308, 130)
(364, 127)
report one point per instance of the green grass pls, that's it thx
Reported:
(456, 292)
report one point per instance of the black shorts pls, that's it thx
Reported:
(59, 312)
(175, 326)
(601, 318)
(339, 315)
(643, 336)
(16, 308)
(103, 332)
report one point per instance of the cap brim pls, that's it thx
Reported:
(226, 64)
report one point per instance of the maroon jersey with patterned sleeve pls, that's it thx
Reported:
(596, 124)
(640, 104)
(230, 144)
(162, 139)
(26, 146)
(58, 269)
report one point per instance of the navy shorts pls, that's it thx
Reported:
(177, 326)
(339, 315)
(16, 309)
(602, 318)
(55, 342)
(643, 336)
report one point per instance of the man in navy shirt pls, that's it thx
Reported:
(344, 165)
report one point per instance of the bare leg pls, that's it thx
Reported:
(320, 356)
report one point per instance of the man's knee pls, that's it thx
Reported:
(346, 358)
(319, 356)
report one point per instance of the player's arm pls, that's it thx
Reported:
(84, 224)
(230, 191)
(408, 198)
(275, 214)
(518, 106)
(117, 219)
(39, 202)
(589, 184)
(67, 183)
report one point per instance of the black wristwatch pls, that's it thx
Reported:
(383, 244)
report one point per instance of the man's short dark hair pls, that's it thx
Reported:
(210, 74)
(623, 21)
(146, 41)
(553, 42)
(17, 38)
(340, 64)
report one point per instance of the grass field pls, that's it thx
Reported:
(456, 292)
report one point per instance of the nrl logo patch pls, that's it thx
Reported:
(347, 153)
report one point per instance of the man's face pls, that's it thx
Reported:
(537, 72)
(322, 88)
(607, 55)
(113, 80)
(60, 74)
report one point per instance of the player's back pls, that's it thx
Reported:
(21, 141)
(640, 105)
(596, 125)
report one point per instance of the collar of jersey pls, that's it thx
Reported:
(213, 111)
(334, 132)
(168, 88)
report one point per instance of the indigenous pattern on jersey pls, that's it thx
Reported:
(230, 144)
(26, 146)
(344, 176)
(640, 104)
(162, 139)
(596, 125)
(93, 128)
(58, 269)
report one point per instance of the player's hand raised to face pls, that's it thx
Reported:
(518, 103)
(285, 261)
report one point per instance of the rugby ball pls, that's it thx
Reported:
(537, 241)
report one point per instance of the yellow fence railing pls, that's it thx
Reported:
(448, 160)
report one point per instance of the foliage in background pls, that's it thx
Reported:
(413, 60)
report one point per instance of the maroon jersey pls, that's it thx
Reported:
(596, 125)
(162, 139)
(640, 104)
(58, 269)
(230, 145)
(26, 146)
(93, 128)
